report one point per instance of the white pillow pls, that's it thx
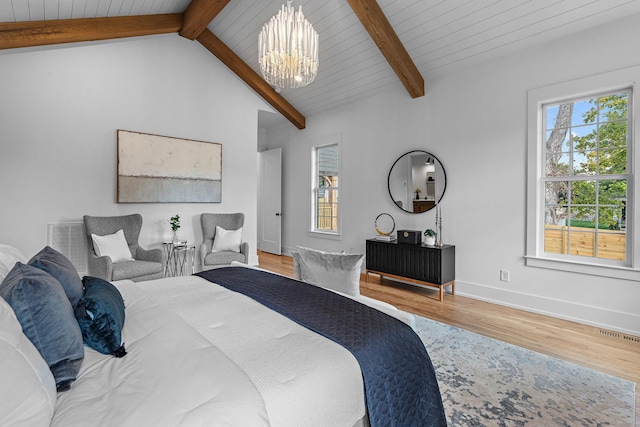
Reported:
(8, 258)
(227, 240)
(336, 271)
(112, 245)
(27, 388)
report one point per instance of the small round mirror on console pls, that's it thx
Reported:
(417, 181)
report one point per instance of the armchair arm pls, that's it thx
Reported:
(203, 253)
(244, 250)
(100, 267)
(154, 255)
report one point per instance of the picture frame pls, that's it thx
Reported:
(162, 169)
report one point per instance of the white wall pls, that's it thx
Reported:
(59, 111)
(475, 122)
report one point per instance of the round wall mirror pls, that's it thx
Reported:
(417, 181)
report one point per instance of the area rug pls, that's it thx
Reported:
(486, 382)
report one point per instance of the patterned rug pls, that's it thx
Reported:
(485, 382)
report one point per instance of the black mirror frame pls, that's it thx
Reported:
(444, 172)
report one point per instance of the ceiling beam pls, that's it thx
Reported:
(250, 77)
(380, 30)
(198, 15)
(39, 33)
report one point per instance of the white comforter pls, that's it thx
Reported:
(201, 355)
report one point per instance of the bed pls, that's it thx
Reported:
(202, 354)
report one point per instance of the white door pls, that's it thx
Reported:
(271, 201)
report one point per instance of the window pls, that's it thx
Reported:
(325, 200)
(585, 178)
(581, 180)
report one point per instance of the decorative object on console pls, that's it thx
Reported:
(385, 225)
(288, 49)
(153, 168)
(439, 225)
(430, 237)
(413, 171)
(409, 236)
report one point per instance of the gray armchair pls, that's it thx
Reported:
(147, 264)
(232, 221)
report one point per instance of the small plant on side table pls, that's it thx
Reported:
(175, 225)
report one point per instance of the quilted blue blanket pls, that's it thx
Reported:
(399, 380)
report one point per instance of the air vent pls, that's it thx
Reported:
(70, 239)
(631, 338)
(620, 336)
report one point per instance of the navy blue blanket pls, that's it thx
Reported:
(400, 384)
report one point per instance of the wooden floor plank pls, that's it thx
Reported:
(570, 341)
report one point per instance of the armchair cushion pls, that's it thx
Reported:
(137, 270)
(223, 258)
(227, 240)
(112, 245)
(59, 266)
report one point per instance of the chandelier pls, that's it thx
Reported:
(288, 49)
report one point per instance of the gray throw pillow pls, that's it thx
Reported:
(59, 266)
(336, 271)
(46, 316)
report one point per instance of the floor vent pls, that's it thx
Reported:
(632, 338)
(620, 336)
(70, 239)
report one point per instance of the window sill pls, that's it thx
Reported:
(625, 273)
(325, 235)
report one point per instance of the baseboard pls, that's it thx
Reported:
(588, 315)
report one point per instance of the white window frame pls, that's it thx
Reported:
(321, 143)
(537, 98)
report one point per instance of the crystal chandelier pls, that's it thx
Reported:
(288, 49)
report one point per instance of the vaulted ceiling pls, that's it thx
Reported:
(357, 53)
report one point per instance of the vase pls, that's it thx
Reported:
(174, 239)
(430, 241)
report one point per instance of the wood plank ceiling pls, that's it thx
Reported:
(436, 36)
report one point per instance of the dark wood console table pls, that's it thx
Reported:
(433, 266)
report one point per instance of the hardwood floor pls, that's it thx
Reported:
(605, 351)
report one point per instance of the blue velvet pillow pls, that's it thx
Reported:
(100, 314)
(47, 319)
(57, 265)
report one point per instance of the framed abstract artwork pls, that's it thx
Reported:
(162, 169)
